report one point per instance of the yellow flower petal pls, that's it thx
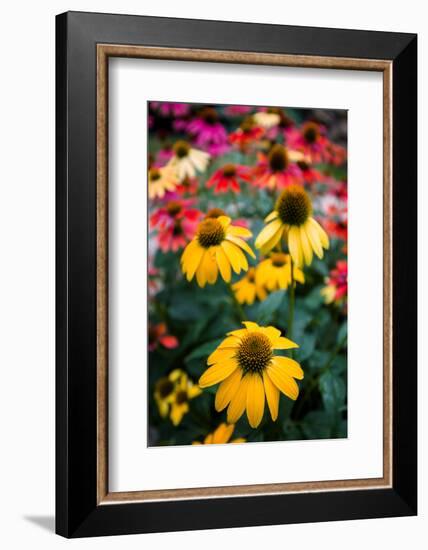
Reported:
(291, 367)
(193, 259)
(271, 332)
(284, 343)
(270, 217)
(227, 390)
(229, 342)
(272, 396)
(314, 238)
(236, 256)
(220, 355)
(294, 245)
(283, 381)
(239, 242)
(322, 234)
(223, 264)
(238, 402)
(251, 326)
(224, 220)
(268, 232)
(271, 243)
(223, 433)
(217, 373)
(238, 333)
(255, 400)
(306, 247)
(177, 412)
(239, 231)
(201, 276)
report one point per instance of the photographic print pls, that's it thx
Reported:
(247, 273)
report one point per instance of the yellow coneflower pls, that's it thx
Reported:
(187, 160)
(165, 388)
(221, 435)
(292, 221)
(161, 180)
(245, 366)
(247, 289)
(275, 272)
(184, 391)
(217, 246)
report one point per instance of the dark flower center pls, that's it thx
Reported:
(173, 208)
(254, 353)
(177, 229)
(311, 132)
(293, 206)
(229, 170)
(209, 115)
(251, 276)
(278, 158)
(181, 149)
(181, 397)
(154, 174)
(278, 259)
(247, 124)
(303, 165)
(210, 233)
(164, 387)
(215, 213)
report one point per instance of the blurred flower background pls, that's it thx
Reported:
(247, 275)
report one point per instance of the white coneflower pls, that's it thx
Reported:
(187, 160)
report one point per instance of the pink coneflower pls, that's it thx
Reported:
(247, 134)
(276, 170)
(335, 154)
(227, 178)
(309, 173)
(237, 110)
(311, 140)
(209, 133)
(158, 335)
(166, 108)
(175, 223)
(336, 289)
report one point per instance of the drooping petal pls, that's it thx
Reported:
(268, 232)
(283, 381)
(272, 396)
(294, 245)
(322, 234)
(193, 259)
(236, 256)
(290, 366)
(239, 242)
(271, 243)
(238, 402)
(201, 276)
(255, 400)
(272, 216)
(223, 264)
(306, 247)
(217, 373)
(227, 390)
(314, 238)
(223, 433)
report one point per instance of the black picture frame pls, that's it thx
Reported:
(77, 511)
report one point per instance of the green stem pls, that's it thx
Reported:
(238, 308)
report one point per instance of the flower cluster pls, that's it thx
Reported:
(247, 272)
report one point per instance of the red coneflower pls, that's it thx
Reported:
(276, 170)
(227, 178)
(247, 133)
(175, 223)
(311, 140)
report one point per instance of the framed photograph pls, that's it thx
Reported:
(236, 274)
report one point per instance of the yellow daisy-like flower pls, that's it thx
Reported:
(187, 160)
(248, 371)
(247, 289)
(217, 246)
(292, 221)
(161, 180)
(165, 388)
(275, 272)
(184, 391)
(221, 435)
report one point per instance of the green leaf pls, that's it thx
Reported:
(333, 391)
(269, 306)
(342, 333)
(317, 425)
(307, 346)
(204, 350)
